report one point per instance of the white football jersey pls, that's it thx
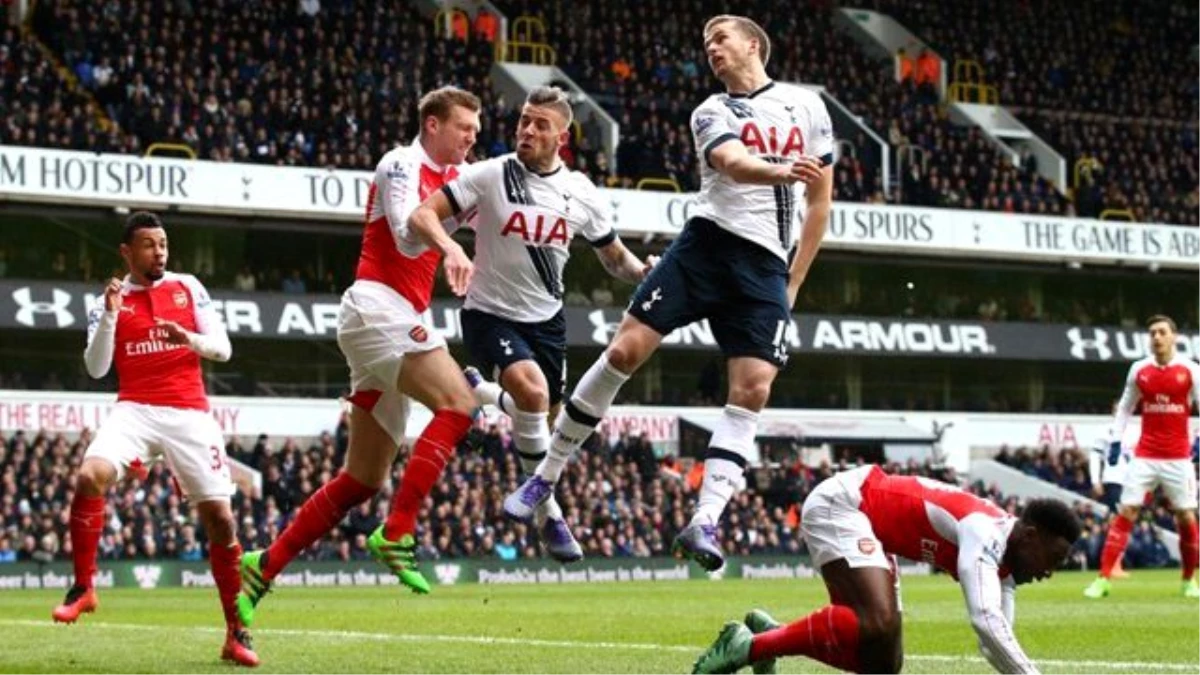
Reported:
(778, 123)
(523, 233)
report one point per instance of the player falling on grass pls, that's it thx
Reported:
(154, 328)
(530, 206)
(1166, 385)
(392, 355)
(853, 522)
(767, 149)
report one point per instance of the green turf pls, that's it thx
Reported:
(612, 628)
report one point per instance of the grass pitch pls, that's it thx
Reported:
(1146, 627)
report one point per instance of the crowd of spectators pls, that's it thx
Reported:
(621, 499)
(1069, 468)
(1112, 83)
(335, 84)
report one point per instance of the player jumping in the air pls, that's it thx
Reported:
(767, 153)
(392, 355)
(530, 206)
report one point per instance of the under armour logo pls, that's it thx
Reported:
(1080, 344)
(30, 309)
(655, 296)
(602, 328)
(447, 573)
(507, 345)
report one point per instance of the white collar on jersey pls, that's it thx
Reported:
(127, 283)
(426, 159)
(756, 92)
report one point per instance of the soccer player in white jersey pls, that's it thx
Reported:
(767, 148)
(529, 207)
(154, 328)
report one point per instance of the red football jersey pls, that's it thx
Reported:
(918, 518)
(1166, 393)
(391, 255)
(151, 370)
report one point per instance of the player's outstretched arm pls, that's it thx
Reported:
(816, 222)
(621, 263)
(426, 223)
(102, 331)
(980, 549)
(733, 160)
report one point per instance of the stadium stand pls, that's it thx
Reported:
(1111, 85)
(621, 500)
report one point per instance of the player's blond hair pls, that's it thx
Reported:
(554, 98)
(439, 102)
(748, 28)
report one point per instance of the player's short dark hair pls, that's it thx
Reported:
(439, 102)
(1161, 318)
(553, 98)
(1053, 517)
(140, 220)
(749, 28)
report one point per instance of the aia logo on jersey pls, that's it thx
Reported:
(772, 141)
(537, 228)
(418, 334)
(181, 299)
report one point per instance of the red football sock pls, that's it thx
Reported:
(829, 635)
(225, 561)
(430, 454)
(87, 524)
(320, 514)
(1189, 549)
(1114, 544)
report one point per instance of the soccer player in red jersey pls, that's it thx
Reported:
(154, 328)
(853, 523)
(392, 355)
(1166, 385)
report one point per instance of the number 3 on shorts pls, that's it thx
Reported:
(217, 458)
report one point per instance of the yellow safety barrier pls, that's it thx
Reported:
(527, 28)
(968, 71)
(1117, 214)
(177, 147)
(540, 53)
(970, 92)
(670, 183)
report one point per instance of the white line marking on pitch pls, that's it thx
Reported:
(570, 644)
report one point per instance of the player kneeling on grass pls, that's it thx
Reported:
(154, 328)
(853, 522)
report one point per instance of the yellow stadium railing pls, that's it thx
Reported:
(1082, 163)
(176, 147)
(577, 131)
(1117, 214)
(654, 183)
(970, 92)
(969, 71)
(527, 28)
(513, 51)
(447, 16)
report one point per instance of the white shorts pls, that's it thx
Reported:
(834, 528)
(189, 440)
(376, 328)
(1176, 476)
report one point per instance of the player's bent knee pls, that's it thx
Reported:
(531, 397)
(94, 477)
(751, 395)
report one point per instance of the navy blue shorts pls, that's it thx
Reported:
(495, 343)
(710, 273)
